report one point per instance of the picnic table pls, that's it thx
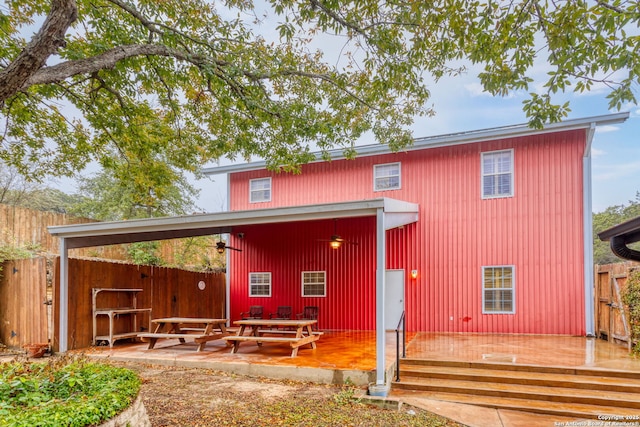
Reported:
(199, 330)
(269, 330)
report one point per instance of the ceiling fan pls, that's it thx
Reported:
(336, 241)
(221, 246)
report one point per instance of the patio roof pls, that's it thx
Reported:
(397, 213)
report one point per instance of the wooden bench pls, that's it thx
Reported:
(294, 342)
(200, 339)
(282, 331)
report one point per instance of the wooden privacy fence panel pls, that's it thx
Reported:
(179, 293)
(27, 227)
(23, 294)
(610, 315)
(167, 291)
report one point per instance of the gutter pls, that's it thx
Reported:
(619, 247)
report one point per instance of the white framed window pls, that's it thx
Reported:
(259, 284)
(260, 190)
(498, 290)
(314, 283)
(497, 174)
(386, 177)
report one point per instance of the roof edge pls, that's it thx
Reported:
(458, 138)
(630, 227)
(233, 218)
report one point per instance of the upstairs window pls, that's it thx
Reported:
(259, 284)
(498, 290)
(497, 174)
(386, 177)
(260, 190)
(314, 284)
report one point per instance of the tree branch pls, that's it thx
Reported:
(109, 59)
(33, 57)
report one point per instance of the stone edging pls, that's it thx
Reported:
(134, 415)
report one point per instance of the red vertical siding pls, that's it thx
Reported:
(539, 231)
(286, 250)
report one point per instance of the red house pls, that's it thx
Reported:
(485, 231)
(501, 242)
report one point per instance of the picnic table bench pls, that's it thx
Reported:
(172, 328)
(259, 327)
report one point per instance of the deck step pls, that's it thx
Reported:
(557, 391)
(599, 382)
(559, 409)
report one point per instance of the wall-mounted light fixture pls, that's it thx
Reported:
(414, 274)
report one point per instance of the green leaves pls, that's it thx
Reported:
(169, 86)
(631, 298)
(71, 392)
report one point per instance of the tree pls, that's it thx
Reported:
(195, 80)
(610, 217)
(14, 188)
(17, 190)
(126, 191)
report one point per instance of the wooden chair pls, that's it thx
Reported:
(255, 312)
(309, 313)
(283, 312)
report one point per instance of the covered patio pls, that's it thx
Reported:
(386, 214)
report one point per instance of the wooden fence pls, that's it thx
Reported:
(167, 291)
(26, 227)
(23, 302)
(611, 318)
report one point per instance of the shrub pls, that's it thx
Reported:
(631, 298)
(64, 392)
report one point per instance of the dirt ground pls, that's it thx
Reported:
(199, 397)
(189, 397)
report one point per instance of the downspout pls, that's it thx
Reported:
(63, 300)
(587, 212)
(380, 388)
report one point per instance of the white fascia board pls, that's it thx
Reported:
(224, 219)
(445, 140)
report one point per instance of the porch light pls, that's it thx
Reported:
(414, 274)
(335, 244)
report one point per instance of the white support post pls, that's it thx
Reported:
(380, 388)
(63, 299)
(589, 279)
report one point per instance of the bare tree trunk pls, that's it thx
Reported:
(46, 42)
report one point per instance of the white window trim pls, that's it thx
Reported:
(324, 294)
(513, 289)
(251, 191)
(399, 176)
(270, 284)
(482, 174)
